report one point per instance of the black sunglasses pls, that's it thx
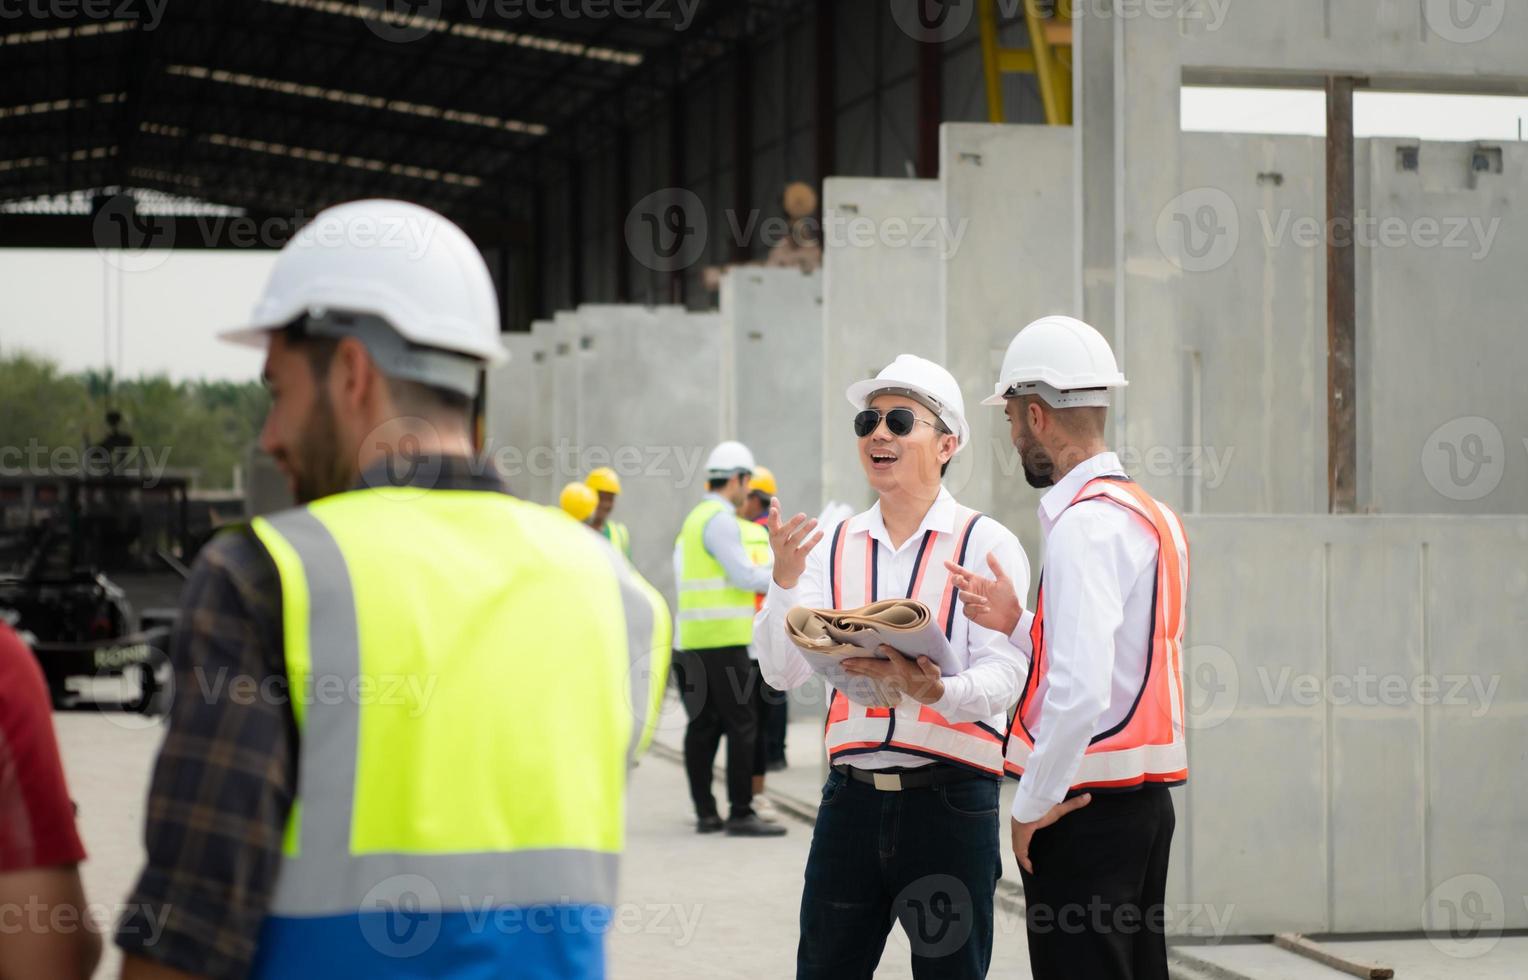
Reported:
(899, 421)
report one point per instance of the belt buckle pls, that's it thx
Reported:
(887, 781)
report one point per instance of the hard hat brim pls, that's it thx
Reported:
(258, 334)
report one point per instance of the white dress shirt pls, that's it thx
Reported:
(1099, 568)
(993, 671)
(724, 540)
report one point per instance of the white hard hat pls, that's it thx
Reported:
(924, 381)
(399, 263)
(728, 458)
(1061, 359)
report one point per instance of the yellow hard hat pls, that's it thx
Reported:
(763, 481)
(603, 480)
(578, 500)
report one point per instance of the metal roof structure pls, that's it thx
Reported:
(276, 106)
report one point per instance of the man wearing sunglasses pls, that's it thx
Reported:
(908, 824)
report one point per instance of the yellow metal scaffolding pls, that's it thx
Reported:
(1048, 58)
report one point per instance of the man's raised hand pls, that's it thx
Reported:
(791, 542)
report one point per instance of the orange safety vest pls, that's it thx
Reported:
(1147, 746)
(852, 728)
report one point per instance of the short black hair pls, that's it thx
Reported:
(409, 396)
(945, 468)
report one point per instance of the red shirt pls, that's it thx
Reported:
(36, 815)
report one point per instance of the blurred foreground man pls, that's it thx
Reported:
(1098, 736)
(47, 929)
(908, 825)
(406, 709)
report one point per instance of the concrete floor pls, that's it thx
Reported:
(692, 907)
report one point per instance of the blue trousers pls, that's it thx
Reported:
(927, 858)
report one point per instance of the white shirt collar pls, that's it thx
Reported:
(1059, 496)
(939, 517)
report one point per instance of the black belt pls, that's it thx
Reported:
(923, 777)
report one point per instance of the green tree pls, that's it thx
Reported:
(207, 426)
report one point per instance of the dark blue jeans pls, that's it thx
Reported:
(925, 857)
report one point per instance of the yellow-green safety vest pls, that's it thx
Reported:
(712, 611)
(756, 544)
(472, 677)
(619, 537)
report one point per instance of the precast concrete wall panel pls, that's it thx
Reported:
(880, 299)
(1447, 351)
(1358, 710)
(677, 367)
(1427, 44)
(565, 396)
(774, 320)
(519, 412)
(1254, 820)
(650, 404)
(1007, 240)
(1254, 325)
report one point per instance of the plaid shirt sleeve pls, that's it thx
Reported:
(226, 773)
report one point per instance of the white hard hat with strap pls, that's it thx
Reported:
(1061, 359)
(402, 279)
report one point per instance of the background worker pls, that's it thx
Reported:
(908, 826)
(604, 481)
(717, 583)
(769, 751)
(47, 927)
(465, 668)
(1101, 715)
(578, 502)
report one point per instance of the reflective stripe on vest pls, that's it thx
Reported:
(853, 729)
(619, 537)
(712, 612)
(1147, 746)
(466, 726)
(756, 544)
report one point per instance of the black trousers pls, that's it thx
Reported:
(1096, 901)
(769, 717)
(927, 858)
(719, 690)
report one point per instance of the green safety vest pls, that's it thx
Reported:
(756, 544)
(712, 612)
(619, 537)
(472, 676)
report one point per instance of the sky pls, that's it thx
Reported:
(161, 310)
